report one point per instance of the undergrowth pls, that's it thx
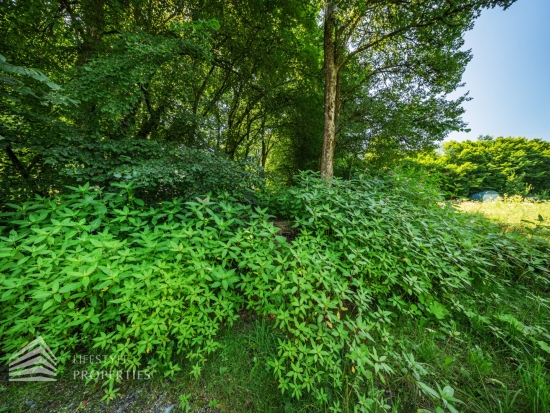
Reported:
(374, 263)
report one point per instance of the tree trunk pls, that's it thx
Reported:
(89, 23)
(266, 148)
(331, 94)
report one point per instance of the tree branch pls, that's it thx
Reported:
(19, 167)
(396, 32)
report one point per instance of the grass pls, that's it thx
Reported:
(235, 379)
(486, 376)
(514, 214)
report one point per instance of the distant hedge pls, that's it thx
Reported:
(506, 165)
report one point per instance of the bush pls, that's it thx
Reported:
(158, 171)
(515, 166)
(156, 284)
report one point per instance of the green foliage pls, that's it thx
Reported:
(125, 92)
(506, 165)
(104, 271)
(184, 402)
(26, 98)
(157, 171)
(133, 265)
(236, 77)
(240, 77)
(156, 284)
(418, 45)
(12, 87)
(396, 255)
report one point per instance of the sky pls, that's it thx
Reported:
(509, 75)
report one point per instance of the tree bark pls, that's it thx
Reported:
(331, 94)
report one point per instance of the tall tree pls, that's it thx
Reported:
(152, 75)
(390, 40)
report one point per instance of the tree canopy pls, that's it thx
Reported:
(389, 67)
(506, 165)
(151, 90)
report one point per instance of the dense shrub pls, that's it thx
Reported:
(158, 171)
(101, 270)
(507, 165)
